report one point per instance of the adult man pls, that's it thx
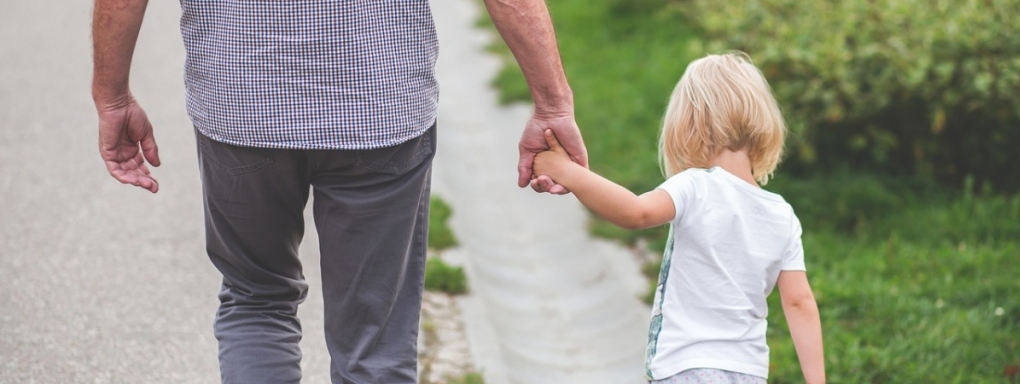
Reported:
(339, 96)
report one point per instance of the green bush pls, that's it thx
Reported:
(443, 277)
(440, 276)
(925, 87)
(440, 235)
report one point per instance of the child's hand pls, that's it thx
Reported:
(554, 162)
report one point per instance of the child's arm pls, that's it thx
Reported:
(606, 198)
(801, 313)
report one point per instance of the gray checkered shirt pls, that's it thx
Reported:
(310, 74)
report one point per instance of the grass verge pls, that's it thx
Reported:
(440, 276)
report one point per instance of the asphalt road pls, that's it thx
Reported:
(101, 282)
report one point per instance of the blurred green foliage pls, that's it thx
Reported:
(469, 378)
(440, 235)
(440, 276)
(905, 87)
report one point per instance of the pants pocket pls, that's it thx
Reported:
(233, 159)
(399, 158)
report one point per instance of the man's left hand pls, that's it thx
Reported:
(533, 142)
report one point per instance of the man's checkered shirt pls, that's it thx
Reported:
(310, 74)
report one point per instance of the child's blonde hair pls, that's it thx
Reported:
(722, 101)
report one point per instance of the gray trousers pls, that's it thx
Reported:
(371, 213)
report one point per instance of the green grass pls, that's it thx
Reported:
(900, 311)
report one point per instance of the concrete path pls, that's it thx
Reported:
(102, 283)
(550, 304)
(99, 282)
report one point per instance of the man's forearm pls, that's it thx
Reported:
(526, 27)
(115, 25)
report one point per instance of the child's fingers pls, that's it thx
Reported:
(550, 139)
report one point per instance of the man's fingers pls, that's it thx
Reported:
(150, 149)
(131, 173)
(145, 169)
(544, 183)
(547, 184)
(581, 157)
(558, 190)
(149, 184)
(524, 168)
(535, 186)
(578, 153)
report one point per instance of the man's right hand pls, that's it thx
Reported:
(126, 143)
(125, 134)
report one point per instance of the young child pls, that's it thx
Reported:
(730, 241)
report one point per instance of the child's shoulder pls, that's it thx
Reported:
(692, 174)
(685, 179)
(719, 180)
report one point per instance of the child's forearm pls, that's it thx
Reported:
(613, 202)
(806, 330)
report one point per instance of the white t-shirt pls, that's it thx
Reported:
(728, 243)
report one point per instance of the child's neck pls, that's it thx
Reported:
(737, 163)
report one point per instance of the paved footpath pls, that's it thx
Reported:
(549, 303)
(103, 283)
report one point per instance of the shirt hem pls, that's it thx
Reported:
(673, 369)
(326, 146)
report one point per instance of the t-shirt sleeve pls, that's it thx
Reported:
(681, 188)
(793, 260)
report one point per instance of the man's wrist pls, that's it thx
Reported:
(107, 98)
(551, 106)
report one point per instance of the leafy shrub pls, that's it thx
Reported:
(443, 277)
(440, 235)
(440, 276)
(926, 87)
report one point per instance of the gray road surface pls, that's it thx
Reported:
(100, 282)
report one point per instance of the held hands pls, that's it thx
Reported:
(126, 143)
(555, 163)
(533, 141)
